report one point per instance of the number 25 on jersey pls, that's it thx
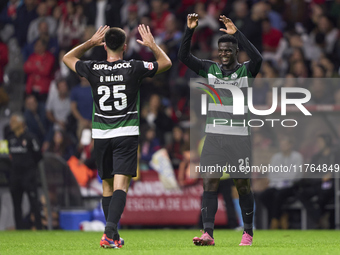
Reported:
(105, 91)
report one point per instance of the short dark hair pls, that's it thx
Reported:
(115, 38)
(228, 38)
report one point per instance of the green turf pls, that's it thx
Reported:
(170, 242)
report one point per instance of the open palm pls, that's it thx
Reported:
(229, 25)
(98, 38)
(147, 37)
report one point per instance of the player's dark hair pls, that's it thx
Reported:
(228, 38)
(115, 38)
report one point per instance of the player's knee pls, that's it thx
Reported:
(243, 190)
(107, 187)
(107, 191)
(242, 186)
(210, 184)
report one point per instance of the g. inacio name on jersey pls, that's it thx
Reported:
(111, 78)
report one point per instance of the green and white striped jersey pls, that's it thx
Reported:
(217, 79)
(115, 91)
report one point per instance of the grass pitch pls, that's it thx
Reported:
(173, 242)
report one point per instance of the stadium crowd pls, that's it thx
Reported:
(297, 38)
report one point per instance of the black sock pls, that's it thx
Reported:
(116, 209)
(105, 204)
(209, 209)
(247, 208)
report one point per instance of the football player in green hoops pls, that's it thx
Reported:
(224, 143)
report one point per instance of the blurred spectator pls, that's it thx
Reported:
(139, 6)
(159, 14)
(25, 155)
(260, 140)
(318, 71)
(186, 176)
(270, 36)
(85, 153)
(291, 81)
(329, 66)
(81, 105)
(51, 5)
(281, 184)
(83, 167)
(251, 25)
(295, 11)
(9, 13)
(216, 7)
(57, 13)
(268, 70)
(322, 189)
(180, 111)
(321, 92)
(260, 89)
(240, 13)
(274, 17)
(39, 68)
(299, 69)
(3, 59)
(71, 26)
(296, 55)
(171, 37)
(206, 20)
(35, 117)
(34, 30)
(52, 41)
(331, 33)
(175, 147)
(149, 144)
(335, 10)
(314, 14)
(153, 115)
(60, 145)
(102, 12)
(25, 14)
(132, 18)
(58, 108)
(130, 28)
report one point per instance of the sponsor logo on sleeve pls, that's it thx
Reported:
(148, 65)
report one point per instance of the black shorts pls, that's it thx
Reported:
(226, 153)
(116, 155)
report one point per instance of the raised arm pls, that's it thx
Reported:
(164, 62)
(252, 52)
(184, 53)
(73, 56)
